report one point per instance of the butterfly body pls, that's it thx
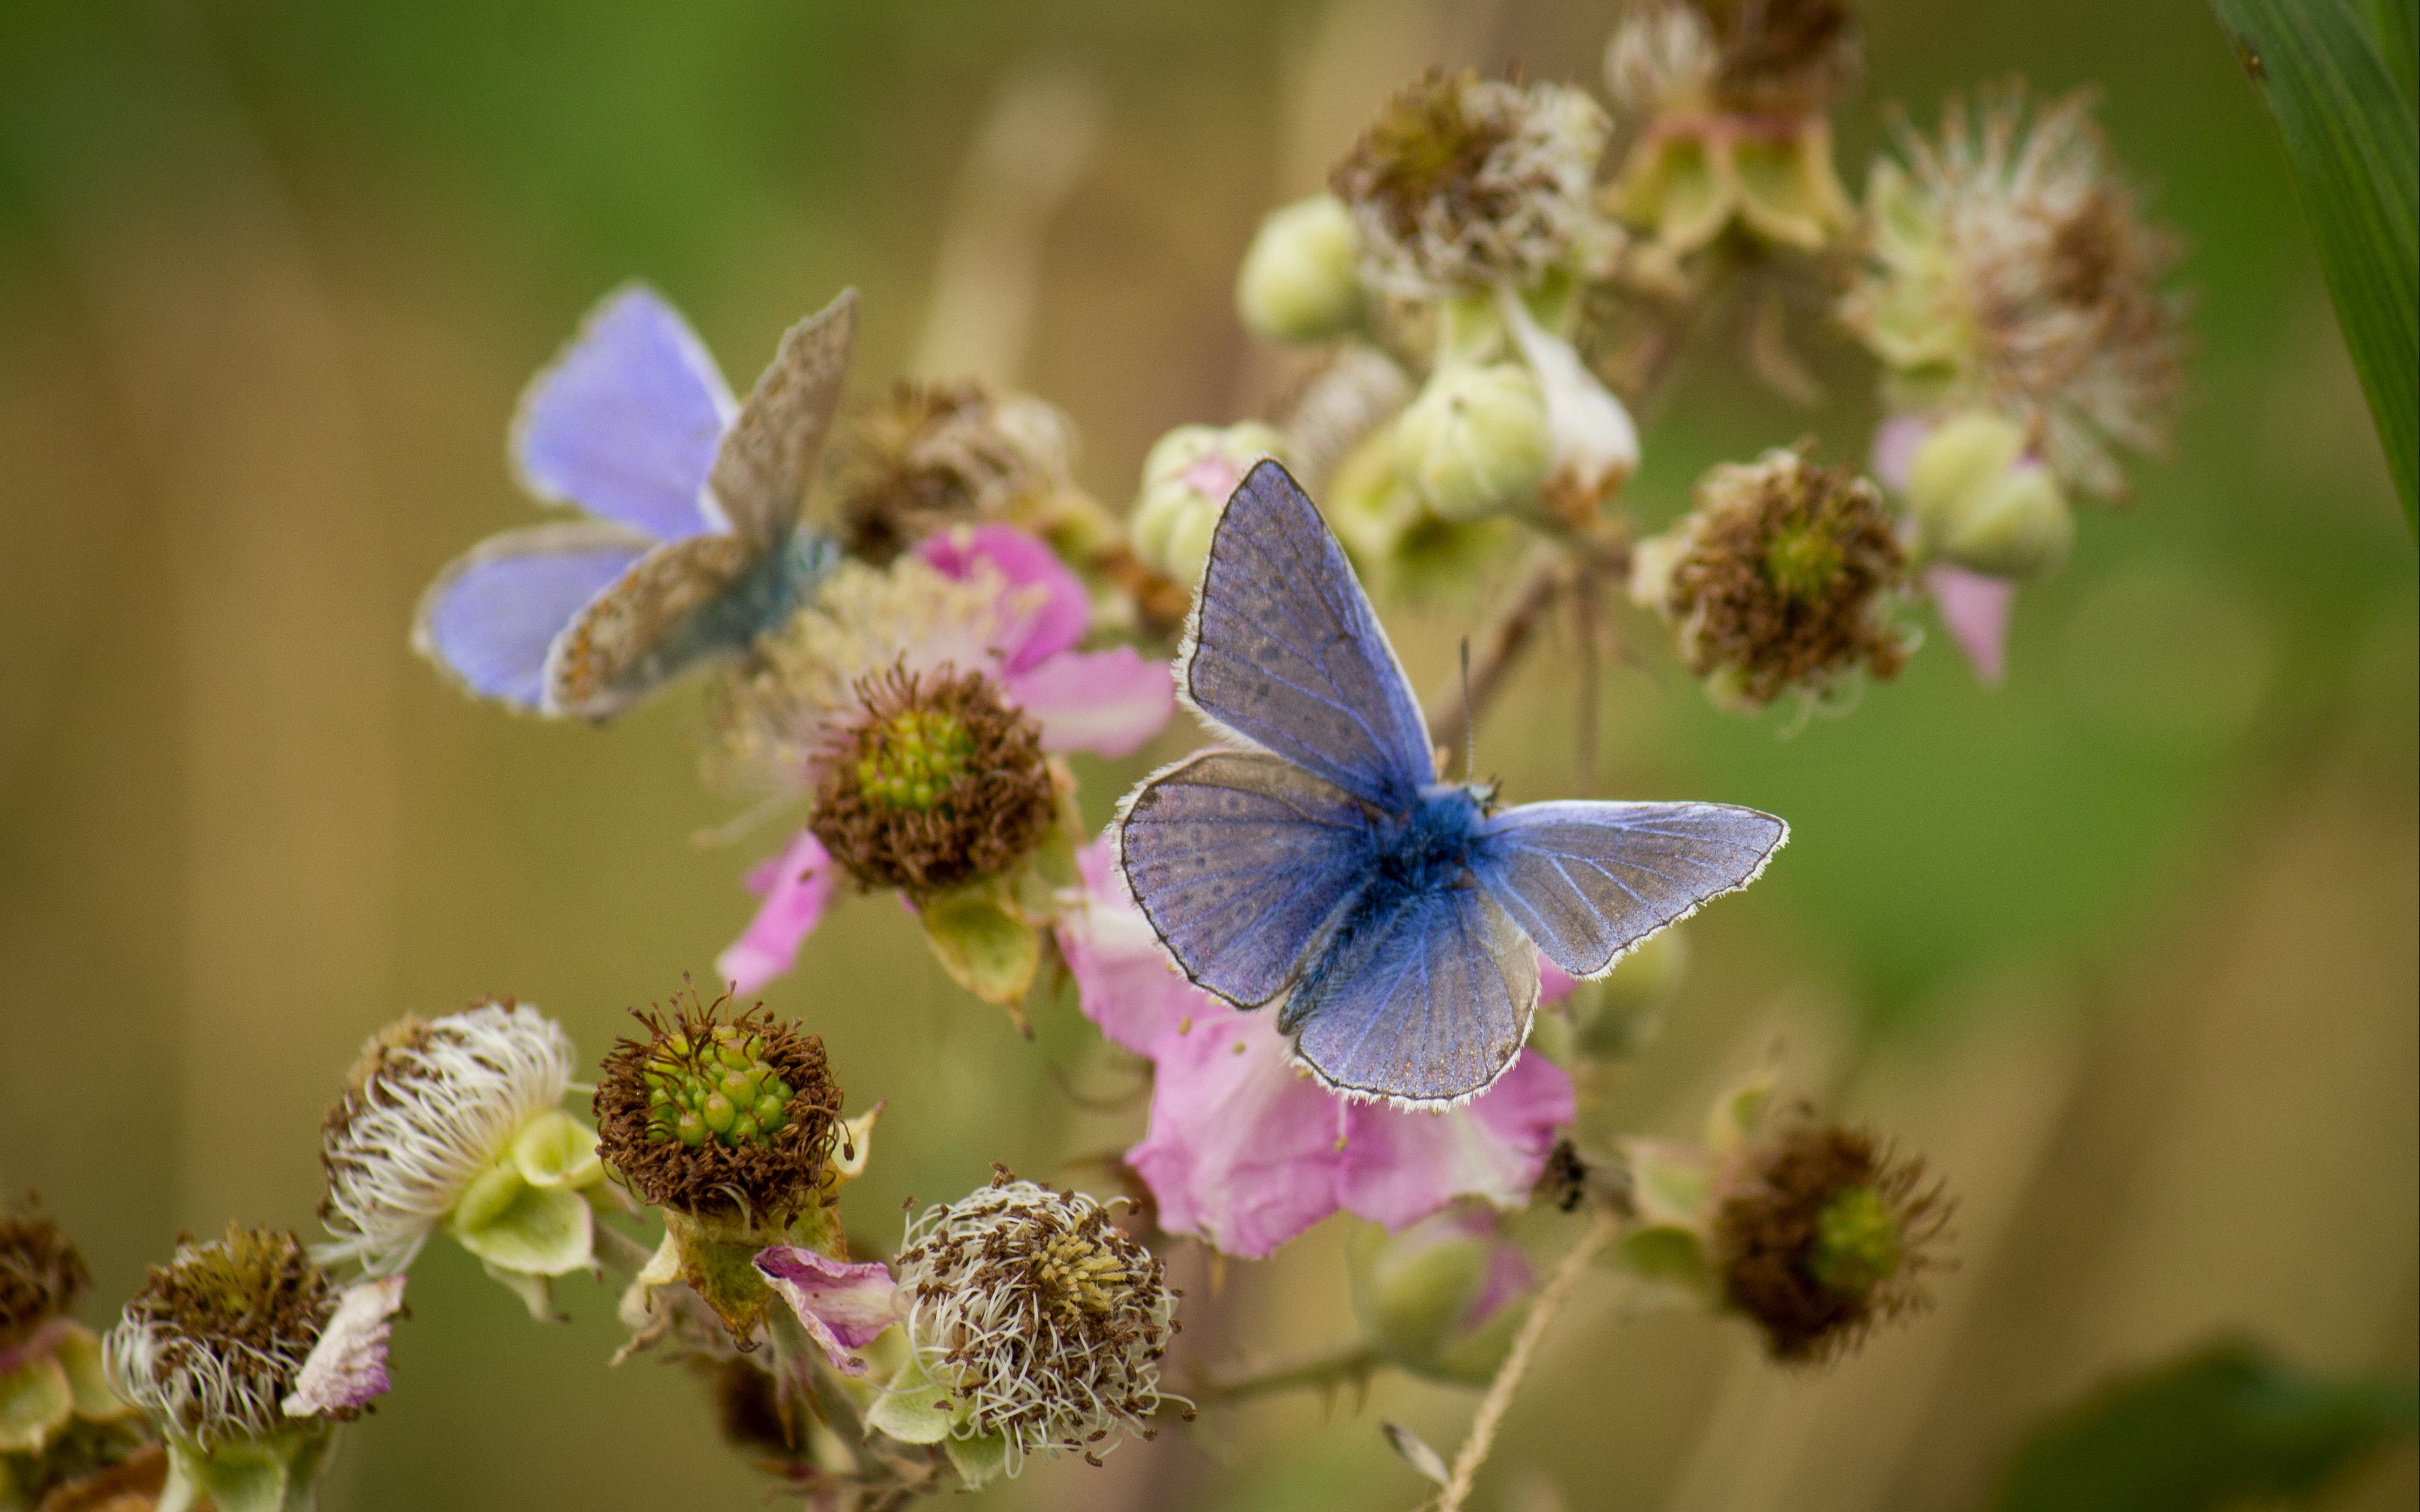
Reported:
(694, 543)
(1398, 918)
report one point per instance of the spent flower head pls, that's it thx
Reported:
(929, 456)
(215, 1341)
(1039, 1320)
(2010, 269)
(1781, 579)
(43, 1277)
(1822, 1234)
(938, 781)
(434, 1110)
(720, 1114)
(1462, 183)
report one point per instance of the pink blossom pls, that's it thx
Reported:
(1896, 443)
(1105, 701)
(797, 887)
(346, 1367)
(1246, 1149)
(1975, 610)
(842, 1304)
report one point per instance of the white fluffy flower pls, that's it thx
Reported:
(429, 1109)
(1038, 1317)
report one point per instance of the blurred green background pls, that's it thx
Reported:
(2127, 947)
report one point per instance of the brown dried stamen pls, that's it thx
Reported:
(1829, 1237)
(41, 1277)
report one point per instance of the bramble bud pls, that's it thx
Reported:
(1476, 442)
(1441, 1299)
(1302, 279)
(1984, 503)
(1187, 477)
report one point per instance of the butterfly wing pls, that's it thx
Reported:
(1284, 652)
(1240, 860)
(764, 463)
(1424, 1004)
(626, 423)
(491, 617)
(1587, 881)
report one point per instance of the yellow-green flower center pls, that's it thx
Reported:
(1857, 1243)
(719, 1087)
(1802, 561)
(916, 757)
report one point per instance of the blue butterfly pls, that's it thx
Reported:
(693, 545)
(1324, 864)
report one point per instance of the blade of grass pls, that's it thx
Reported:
(2355, 148)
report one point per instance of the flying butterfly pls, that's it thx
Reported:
(1318, 859)
(693, 542)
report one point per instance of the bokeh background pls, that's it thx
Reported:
(2127, 947)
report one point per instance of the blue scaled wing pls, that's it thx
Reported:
(1240, 860)
(492, 617)
(1285, 652)
(1425, 1005)
(1587, 881)
(626, 422)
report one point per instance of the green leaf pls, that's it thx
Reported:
(2397, 24)
(2354, 146)
(2220, 1427)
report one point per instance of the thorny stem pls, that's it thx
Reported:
(1491, 1408)
(1349, 1365)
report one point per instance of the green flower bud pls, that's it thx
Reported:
(1476, 442)
(1442, 1298)
(1301, 280)
(1187, 480)
(1984, 503)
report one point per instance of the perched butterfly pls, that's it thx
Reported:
(1326, 864)
(694, 543)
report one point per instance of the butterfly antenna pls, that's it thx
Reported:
(1469, 719)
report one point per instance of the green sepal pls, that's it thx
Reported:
(536, 1292)
(79, 1355)
(539, 1230)
(911, 1408)
(1671, 1184)
(983, 946)
(1663, 1253)
(1680, 187)
(275, 1474)
(978, 1460)
(36, 1401)
(556, 1150)
(1786, 189)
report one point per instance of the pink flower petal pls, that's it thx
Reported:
(842, 1304)
(1896, 443)
(1049, 609)
(1126, 980)
(1105, 701)
(797, 887)
(1401, 1164)
(347, 1367)
(1241, 1148)
(1975, 610)
(1554, 982)
(1508, 1274)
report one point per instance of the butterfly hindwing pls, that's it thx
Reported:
(492, 616)
(1240, 860)
(626, 422)
(761, 472)
(1425, 1002)
(1285, 651)
(1587, 881)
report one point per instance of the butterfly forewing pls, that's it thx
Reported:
(1240, 860)
(626, 423)
(762, 471)
(1587, 881)
(1428, 1003)
(491, 617)
(1287, 653)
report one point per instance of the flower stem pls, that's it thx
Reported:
(1491, 1408)
(1353, 1365)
